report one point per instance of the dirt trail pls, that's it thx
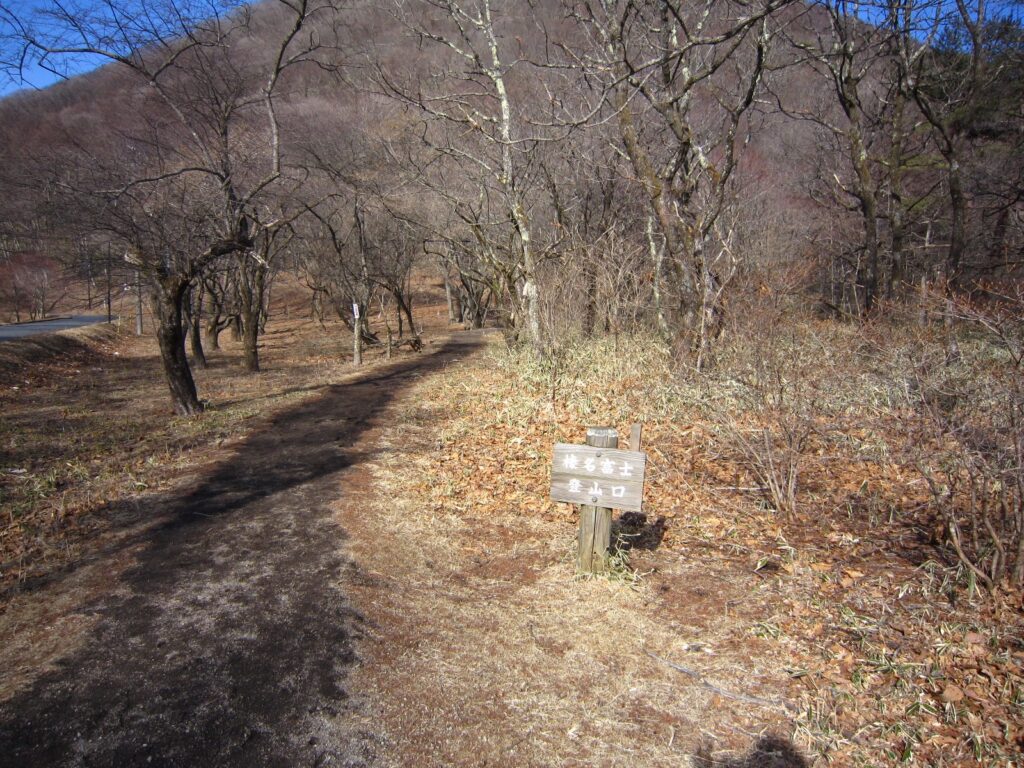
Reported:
(229, 641)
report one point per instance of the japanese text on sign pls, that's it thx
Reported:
(606, 477)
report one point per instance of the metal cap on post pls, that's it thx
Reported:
(603, 437)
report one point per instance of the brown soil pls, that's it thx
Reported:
(213, 629)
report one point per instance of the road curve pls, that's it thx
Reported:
(21, 330)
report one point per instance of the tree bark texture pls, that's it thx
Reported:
(168, 297)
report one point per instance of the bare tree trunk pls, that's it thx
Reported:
(590, 307)
(529, 290)
(897, 225)
(252, 285)
(654, 187)
(195, 325)
(898, 257)
(404, 307)
(265, 306)
(958, 224)
(212, 333)
(215, 319)
(449, 298)
(460, 307)
(657, 259)
(998, 251)
(867, 269)
(168, 299)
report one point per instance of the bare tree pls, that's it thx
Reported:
(963, 69)
(208, 150)
(852, 60)
(680, 79)
(483, 126)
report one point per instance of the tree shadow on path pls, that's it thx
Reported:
(766, 752)
(229, 641)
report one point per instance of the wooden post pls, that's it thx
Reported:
(357, 336)
(110, 308)
(635, 433)
(138, 303)
(596, 522)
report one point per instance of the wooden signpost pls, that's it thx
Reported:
(599, 477)
(357, 338)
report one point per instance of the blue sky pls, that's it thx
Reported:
(34, 76)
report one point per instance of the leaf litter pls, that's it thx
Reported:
(734, 621)
(842, 615)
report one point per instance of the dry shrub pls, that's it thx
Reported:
(585, 292)
(967, 434)
(770, 383)
(774, 455)
(794, 397)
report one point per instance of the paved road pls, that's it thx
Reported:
(21, 330)
(229, 644)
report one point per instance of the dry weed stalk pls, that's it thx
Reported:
(978, 491)
(777, 374)
(774, 454)
(969, 441)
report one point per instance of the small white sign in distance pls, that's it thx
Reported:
(601, 477)
(355, 311)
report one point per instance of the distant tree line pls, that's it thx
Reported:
(568, 168)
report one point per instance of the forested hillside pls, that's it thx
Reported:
(643, 166)
(788, 236)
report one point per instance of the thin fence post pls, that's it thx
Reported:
(357, 336)
(138, 303)
(635, 436)
(596, 522)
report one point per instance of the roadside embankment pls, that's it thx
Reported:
(18, 353)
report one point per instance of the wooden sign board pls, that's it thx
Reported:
(600, 477)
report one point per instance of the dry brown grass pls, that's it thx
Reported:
(492, 652)
(844, 612)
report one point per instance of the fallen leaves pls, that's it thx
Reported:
(860, 624)
(952, 694)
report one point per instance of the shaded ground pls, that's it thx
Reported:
(228, 642)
